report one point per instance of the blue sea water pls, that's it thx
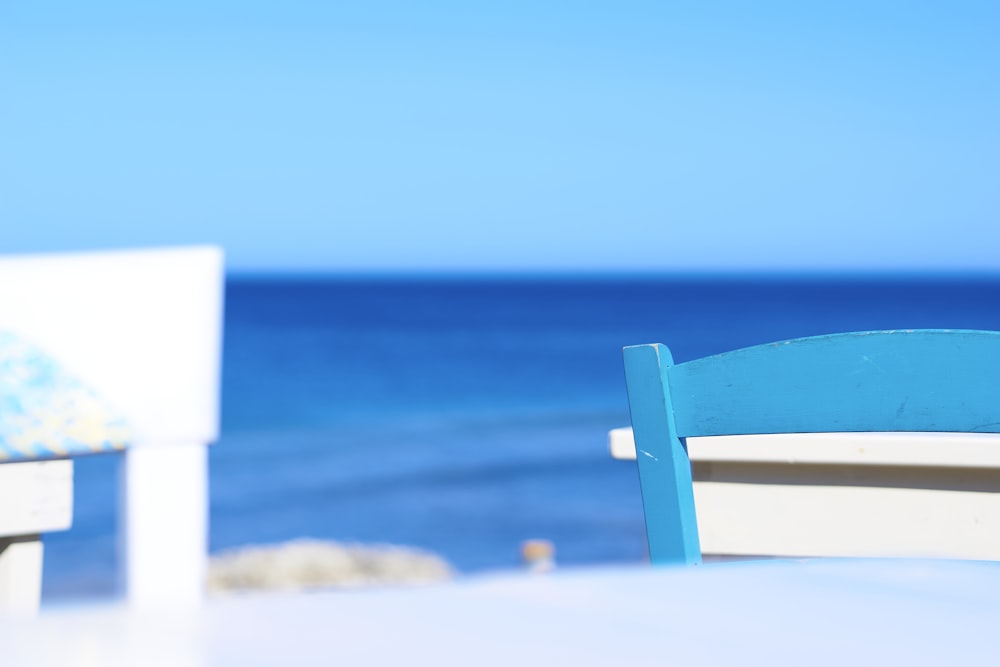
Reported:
(465, 416)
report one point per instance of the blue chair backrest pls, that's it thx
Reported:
(917, 380)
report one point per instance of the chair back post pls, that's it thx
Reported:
(664, 467)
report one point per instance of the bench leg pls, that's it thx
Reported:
(163, 528)
(20, 575)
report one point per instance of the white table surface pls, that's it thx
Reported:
(821, 612)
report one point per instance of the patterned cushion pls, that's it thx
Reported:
(46, 413)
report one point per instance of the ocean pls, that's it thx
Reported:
(464, 416)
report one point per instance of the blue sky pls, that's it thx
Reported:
(516, 136)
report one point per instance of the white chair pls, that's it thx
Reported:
(143, 329)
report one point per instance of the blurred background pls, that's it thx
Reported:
(443, 221)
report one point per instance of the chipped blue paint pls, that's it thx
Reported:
(47, 413)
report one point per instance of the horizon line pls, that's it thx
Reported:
(583, 275)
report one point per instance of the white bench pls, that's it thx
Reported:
(143, 329)
(35, 497)
(844, 494)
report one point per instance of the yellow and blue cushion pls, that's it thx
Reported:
(45, 412)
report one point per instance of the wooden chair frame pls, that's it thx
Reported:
(881, 381)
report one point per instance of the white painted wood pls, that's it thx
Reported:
(164, 524)
(20, 575)
(143, 329)
(801, 520)
(621, 444)
(844, 494)
(959, 450)
(35, 497)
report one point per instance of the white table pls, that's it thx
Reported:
(822, 612)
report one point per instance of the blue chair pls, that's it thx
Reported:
(916, 380)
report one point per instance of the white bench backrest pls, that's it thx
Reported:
(142, 328)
